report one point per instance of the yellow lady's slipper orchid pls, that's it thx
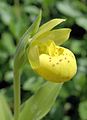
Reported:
(52, 62)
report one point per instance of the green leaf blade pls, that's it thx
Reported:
(5, 113)
(39, 105)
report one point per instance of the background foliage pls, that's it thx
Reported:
(15, 17)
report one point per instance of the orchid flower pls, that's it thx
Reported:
(47, 57)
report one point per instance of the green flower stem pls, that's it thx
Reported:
(20, 59)
(16, 95)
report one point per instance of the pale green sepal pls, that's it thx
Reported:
(5, 113)
(20, 56)
(33, 56)
(48, 26)
(40, 104)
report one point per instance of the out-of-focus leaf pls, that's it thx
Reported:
(39, 105)
(3, 56)
(9, 76)
(32, 84)
(31, 9)
(76, 46)
(82, 21)
(5, 12)
(80, 81)
(82, 65)
(8, 43)
(55, 113)
(83, 110)
(18, 26)
(64, 92)
(66, 118)
(83, 61)
(68, 9)
(5, 113)
(80, 5)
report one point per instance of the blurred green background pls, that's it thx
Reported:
(15, 17)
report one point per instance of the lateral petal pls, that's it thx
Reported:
(59, 36)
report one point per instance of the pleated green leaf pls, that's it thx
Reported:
(5, 113)
(40, 104)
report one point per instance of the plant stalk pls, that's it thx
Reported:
(16, 95)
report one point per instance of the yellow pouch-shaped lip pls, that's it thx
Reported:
(59, 68)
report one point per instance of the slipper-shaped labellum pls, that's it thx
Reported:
(47, 57)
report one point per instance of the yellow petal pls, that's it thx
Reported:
(59, 68)
(59, 36)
